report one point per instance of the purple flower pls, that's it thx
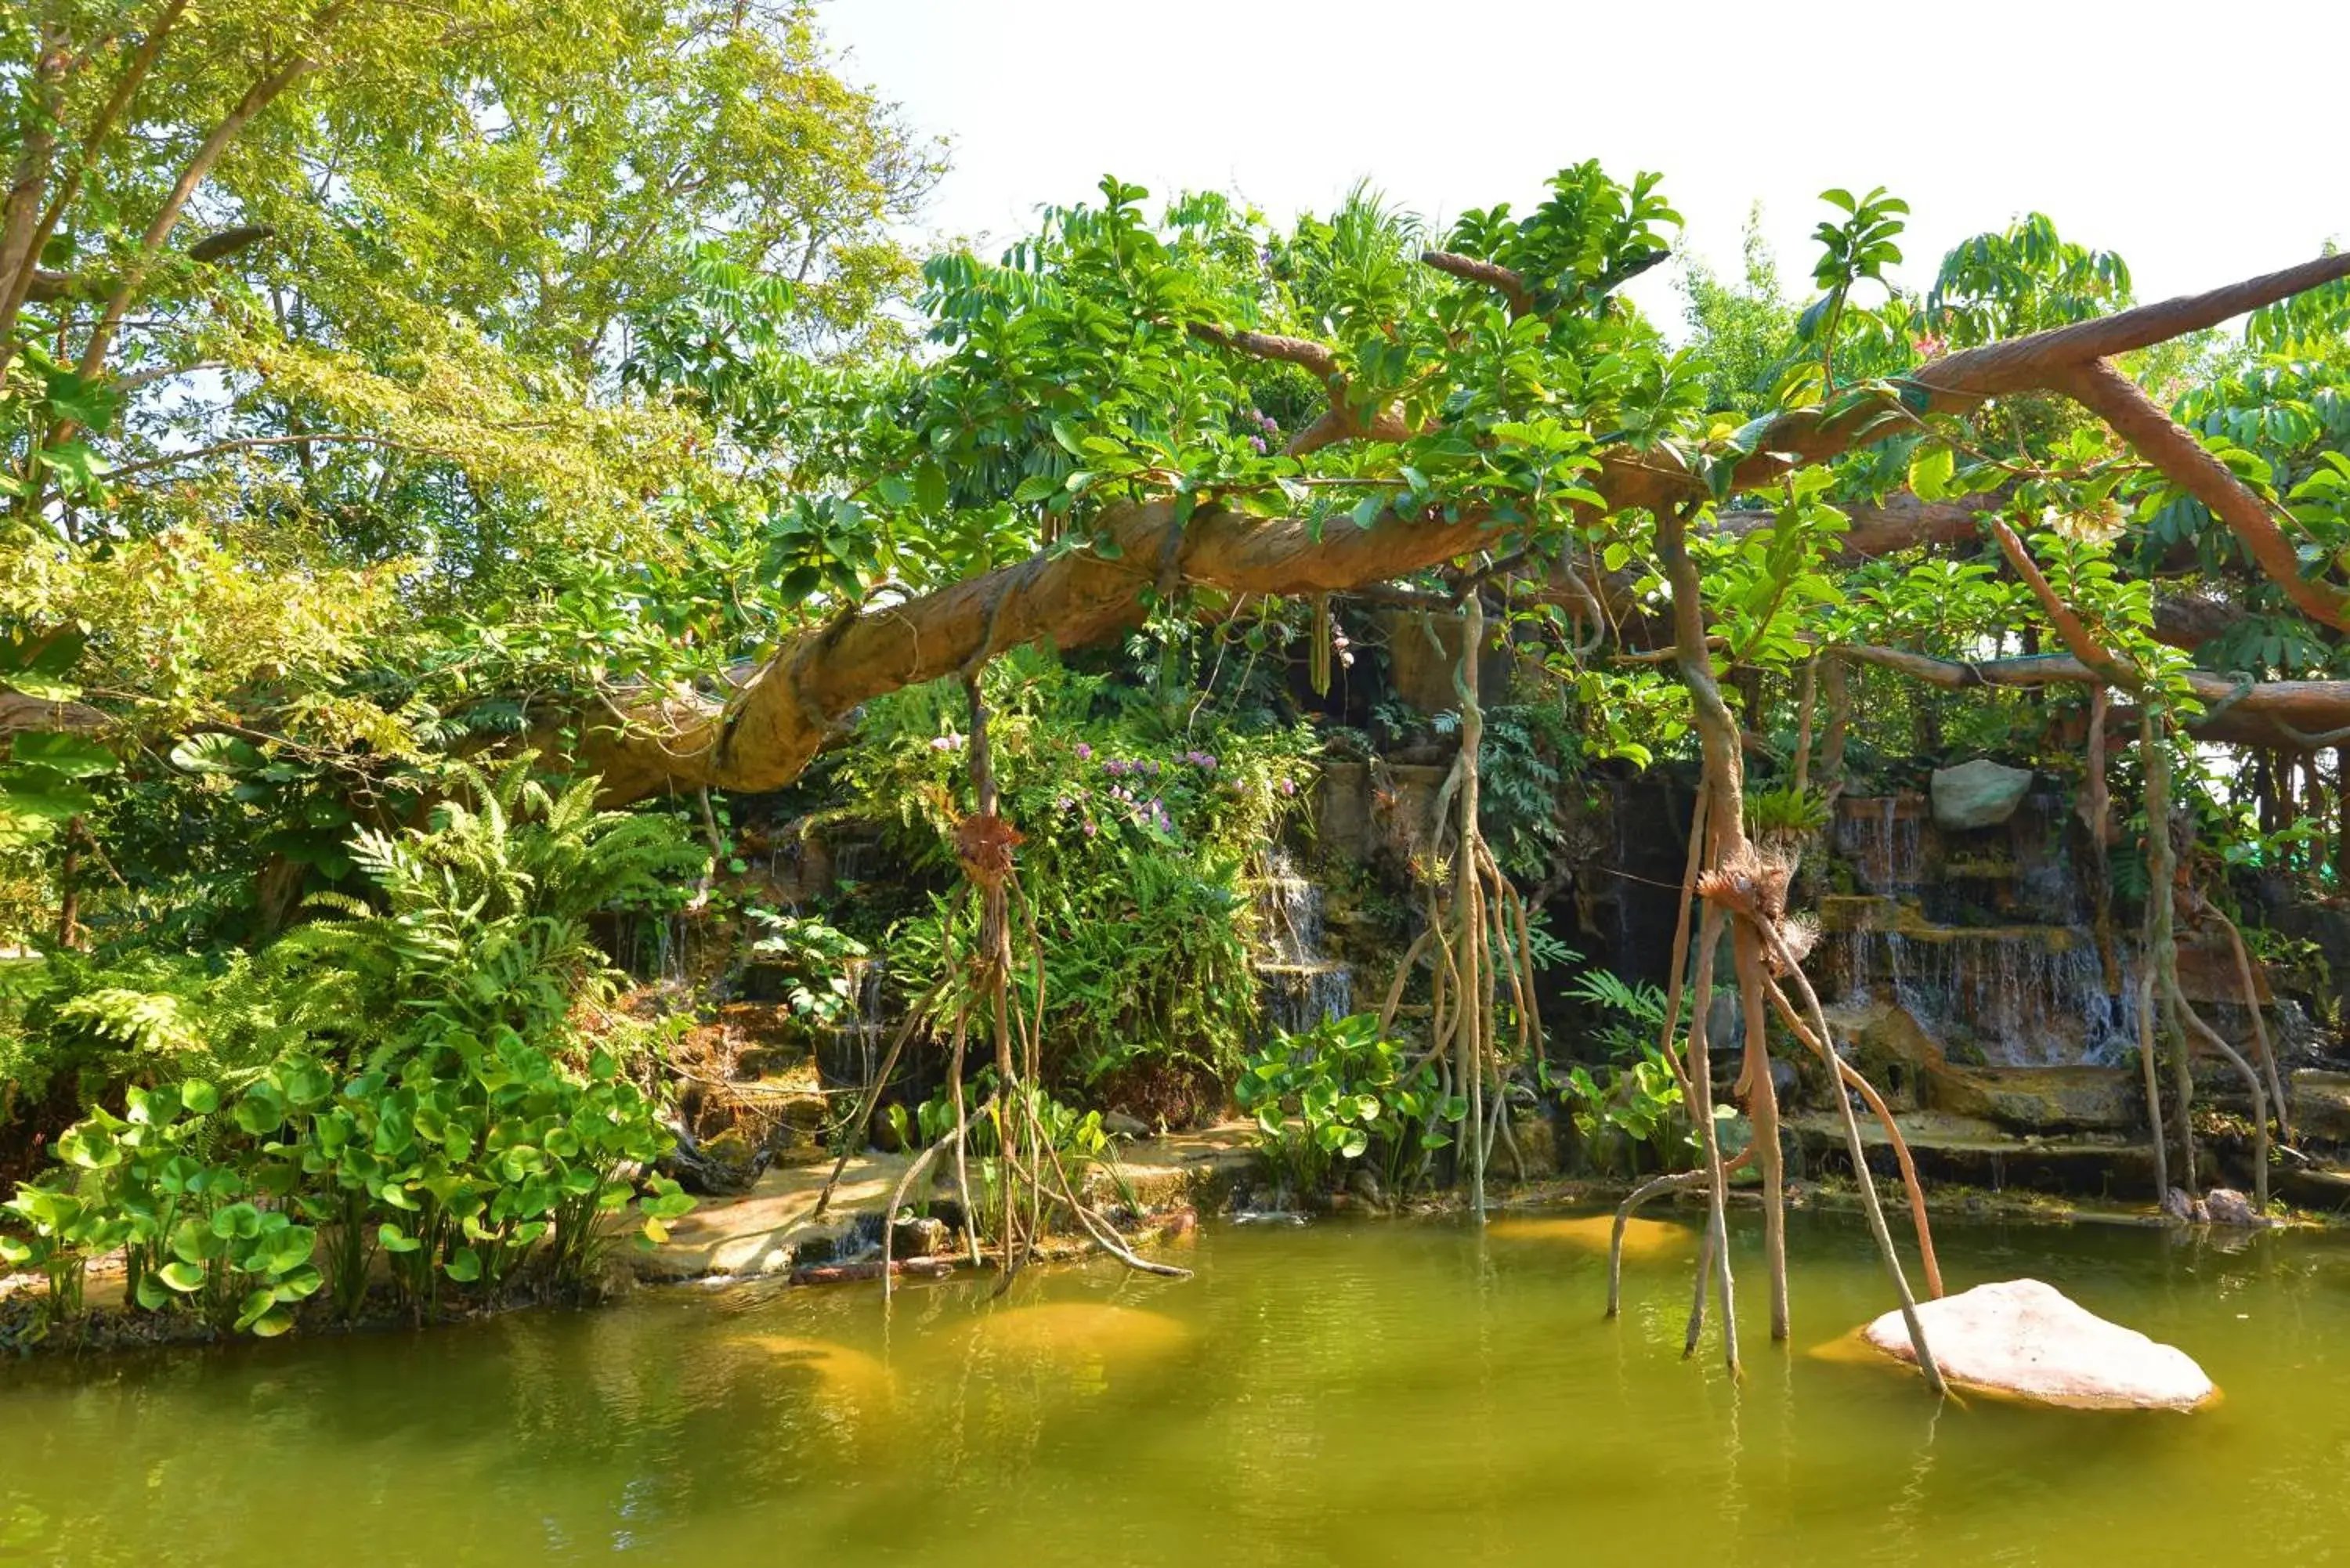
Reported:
(1090, 828)
(1287, 788)
(1272, 426)
(946, 742)
(1085, 753)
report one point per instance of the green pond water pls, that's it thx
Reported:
(1372, 1393)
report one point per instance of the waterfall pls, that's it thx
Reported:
(1883, 843)
(2025, 998)
(1302, 985)
(848, 1053)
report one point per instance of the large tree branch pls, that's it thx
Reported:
(1304, 352)
(785, 710)
(28, 181)
(2071, 629)
(2135, 418)
(2254, 713)
(782, 712)
(1501, 280)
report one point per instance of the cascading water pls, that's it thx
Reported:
(1883, 844)
(848, 1053)
(1302, 986)
(2023, 999)
(2021, 995)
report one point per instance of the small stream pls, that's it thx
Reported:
(1401, 1392)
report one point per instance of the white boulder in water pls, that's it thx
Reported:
(2025, 1338)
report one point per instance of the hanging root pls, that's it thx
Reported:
(1763, 1115)
(1482, 943)
(1857, 1082)
(2205, 1033)
(2147, 1070)
(1714, 1255)
(1672, 1181)
(1868, 1199)
(2260, 1026)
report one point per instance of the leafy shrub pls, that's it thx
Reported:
(1139, 840)
(1630, 1101)
(820, 964)
(453, 1110)
(1343, 1095)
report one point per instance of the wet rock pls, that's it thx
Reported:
(1979, 793)
(2226, 1206)
(1118, 1124)
(1537, 1138)
(2182, 1206)
(2042, 1100)
(2025, 1338)
(2321, 1104)
(716, 1166)
(1365, 1185)
(918, 1236)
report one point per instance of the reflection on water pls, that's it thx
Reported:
(1375, 1393)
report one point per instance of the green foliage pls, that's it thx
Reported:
(1528, 751)
(1628, 1101)
(1744, 328)
(820, 964)
(2026, 278)
(1140, 839)
(1342, 1095)
(1782, 810)
(418, 1079)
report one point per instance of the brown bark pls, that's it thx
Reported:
(1490, 274)
(2069, 627)
(28, 181)
(781, 714)
(2266, 713)
(2138, 420)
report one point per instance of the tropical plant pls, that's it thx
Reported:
(449, 1111)
(1629, 1100)
(1343, 1095)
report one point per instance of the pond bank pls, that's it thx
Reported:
(1158, 1184)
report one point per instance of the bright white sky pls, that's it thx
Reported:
(2205, 142)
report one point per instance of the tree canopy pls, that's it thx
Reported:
(385, 382)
